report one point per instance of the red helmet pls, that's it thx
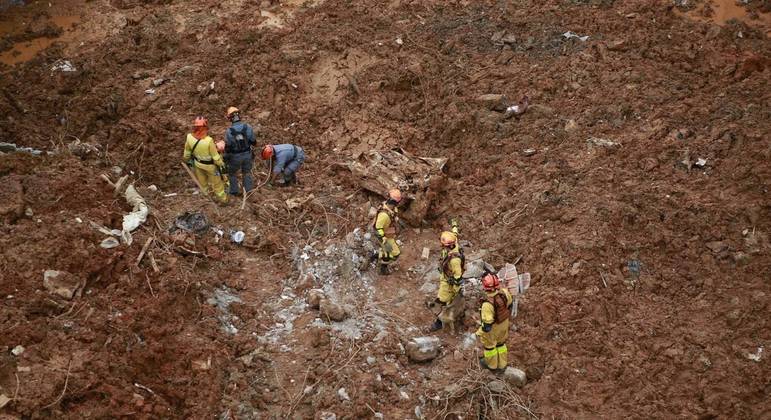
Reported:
(395, 194)
(490, 282)
(267, 152)
(200, 122)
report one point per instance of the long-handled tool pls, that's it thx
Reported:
(189, 172)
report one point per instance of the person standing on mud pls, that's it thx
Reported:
(451, 268)
(385, 225)
(239, 140)
(201, 155)
(285, 159)
(494, 331)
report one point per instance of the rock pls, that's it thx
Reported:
(331, 310)
(153, 188)
(571, 126)
(343, 394)
(371, 360)
(740, 257)
(509, 39)
(492, 101)
(596, 141)
(158, 82)
(305, 282)
(18, 350)
(504, 57)
(717, 246)
(423, 349)
(61, 283)
(426, 252)
(619, 45)
(4, 400)
(515, 376)
(528, 152)
(325, 415)
(498, 36)
(314, 297)
(28, 212)
(497, 386)
(139, 75)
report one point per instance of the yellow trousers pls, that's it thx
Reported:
(446, 292)
(494, 343)
(211, 183)
(389, 251)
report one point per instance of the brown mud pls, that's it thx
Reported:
(650, 257)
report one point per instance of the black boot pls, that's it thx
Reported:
(384, 269)
(436, 326)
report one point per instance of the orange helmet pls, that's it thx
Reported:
(490, 282)
(220, 146)
(231, 110)
(267, 152)
(448, 239)
(200, 122)
(395, 194)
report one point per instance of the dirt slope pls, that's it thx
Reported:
(651, 268)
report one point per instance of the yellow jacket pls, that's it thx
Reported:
(206, 151)
(383, 221)
(488, 310)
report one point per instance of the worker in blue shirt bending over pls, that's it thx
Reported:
(285, 160)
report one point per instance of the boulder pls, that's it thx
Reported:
(515, 376)
(61, 283)
(332, 310)
(314, 297)
(423, 349)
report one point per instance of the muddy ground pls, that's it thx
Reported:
(648, 248)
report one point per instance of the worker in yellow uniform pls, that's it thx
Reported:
(201, 155)
(385, 226)
(494, 331)
(451, 268)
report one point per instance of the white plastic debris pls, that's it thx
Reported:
(237, 237)
(137, 216)
(755, 357)
(18, 350)
(63, 66)
(109, 243)
(150, 91)
(343, 394)
(571, 34)
(700, 162)
(399, 41)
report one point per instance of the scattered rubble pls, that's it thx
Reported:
(61, 283)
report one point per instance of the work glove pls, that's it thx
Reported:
(190, 163)
(454, 226)
(387, 247)
(487, 327)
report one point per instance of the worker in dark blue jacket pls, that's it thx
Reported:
(239, 140)
(286, 159)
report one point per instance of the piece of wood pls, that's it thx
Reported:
(144, 250)
(152, 261)
(195, 180)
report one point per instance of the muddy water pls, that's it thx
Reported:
(26, 50)
(725, 10)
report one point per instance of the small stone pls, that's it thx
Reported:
(379, 415)
(116, 170)
(403, 395)
(596, 141)
(571, 126)
(4, 400)
(61, 283)
(158, 82)
(509, 39)
(424, 255)
(152, 188)
(18, 350)
(422, 349)
(515, 376)
(332, 310)
(306, 282)
(505, 57)
(740, 257)
(492, 101)
(325, 415)
(619, 45)
(343, 394)
(717, 246)
(314, 298)
(496, 386)
(528, 152)
(371, 360)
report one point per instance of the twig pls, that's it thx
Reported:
(152, 261)
(16, 393)
(66, 381)
(603, 280)
(149, 285)
(144, 249)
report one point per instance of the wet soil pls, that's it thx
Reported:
(650, 257)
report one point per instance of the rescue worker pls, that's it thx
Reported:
(239, 140)
(201, 155)
(494, 331)
(385, 226)
(286, 159)
(451, 267)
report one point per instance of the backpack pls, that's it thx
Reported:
(238, 142)
(500, 308)
(450, 256)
